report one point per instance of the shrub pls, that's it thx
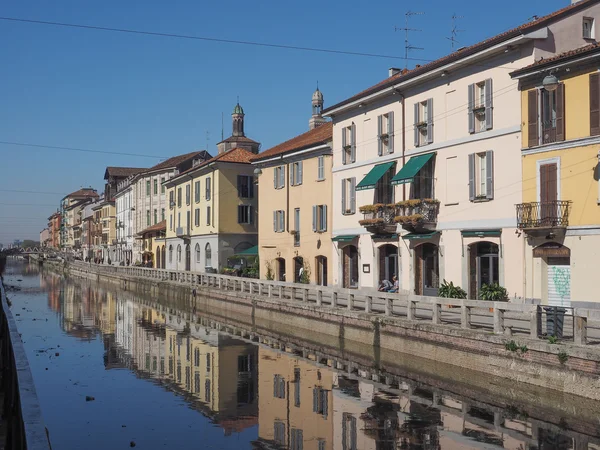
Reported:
(448, 290)
(493, 293)
(270, 274)
(562, 357)
(367, 222)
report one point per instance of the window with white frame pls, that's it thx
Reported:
(385, 133)
(296, 226)
(279, 177)
(197, 191)
(320, 218)
(423, 122)
(162, 186)
(179, 253)
(279, 221)
(480, 106)
(208, 216)
(244, 214)
(296, 173)
(197, 217)
(188, 196)
(349, 144)
(481, 176)
(198, 259)
(207, 263)
(179, 197)
(321, 168)
(588, 28)
(207, 193)
(349, 196)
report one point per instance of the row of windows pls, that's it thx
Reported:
(188, 197)
(196, 218)
(207, 262)
(148, 186)
(162, 216)
(319, 220)
(295, 173)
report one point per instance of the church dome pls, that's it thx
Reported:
(238, 109)
(317, 96)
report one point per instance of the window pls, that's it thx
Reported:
(349, 196)
(279, 433)
(384, 190)
(171, 199)
(207, 189)
(155, 186)
(197, 350)
(481, 176)
(321, 168)
(296, 440)
(162, 186)
(178, 219)
(244, 214)
(147, 188)
(208, 215)
(170, 253)
(207, 259)
(207, 391)
(385, 133)
(423, 122)
(197, 191)
(320, 401)
(296, 173)
(188, 196)
(162, 214)
(147, 217)
(322, 444)
(279, 221)
(171, 222)
(549, 125)
(279, 177)
(480, 106)
(179, 253)
(278, 386)
(245, 186)
(197, 217)
(588, 28)
(349, 434)
(179, 197)
(197, 249)
(320, 218)
(422, 185)
(208, 354)
(297, 226)
(349, 144)
(297, 387)
(155, 216)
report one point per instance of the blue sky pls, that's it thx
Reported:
(160, 96)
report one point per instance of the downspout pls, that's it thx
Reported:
(287, 197)
(403, 141)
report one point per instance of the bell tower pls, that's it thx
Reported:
(237, 118)
(317, 110)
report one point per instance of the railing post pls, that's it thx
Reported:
(498, 319)
(411, 309)
(465, 315)
(580, 330)
(389, 306)
(334, 299)
(533, 324)
(220, 283)
(350, 304)
(270, 289)
(319, 297)
(437, 313)
(293, 293)
(280, 292)
(305, 295)
(368, 304)
(251, 287)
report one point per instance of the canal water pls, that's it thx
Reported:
(112, 372)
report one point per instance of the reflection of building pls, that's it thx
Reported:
(295, 403)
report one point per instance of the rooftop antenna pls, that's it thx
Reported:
(406, 29)
(207, 138)
(454, 31)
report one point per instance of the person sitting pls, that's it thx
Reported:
(384, 286)
(396, 285)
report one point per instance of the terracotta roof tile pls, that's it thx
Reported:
(319, 135)
(419, 70)
(591, 48)
(122, 171)
(83, 193)
(160, 226)
(239, 139)
(235, 155)
(176, 160)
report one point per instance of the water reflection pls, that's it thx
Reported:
(295, 403)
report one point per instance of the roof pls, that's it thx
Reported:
(84, 192)
(160, 226)
(238, 109)
(319, 135)
(122, 172)
(235, 155)
(562, 57)
(176, 160)
(239, 139)
(467, 51)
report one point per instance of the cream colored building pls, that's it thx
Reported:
(212, 207)
(295, 184)
(425, 164)
(71, 207)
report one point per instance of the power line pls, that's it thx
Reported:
(27, 204)
(32, 192)
(75, 149)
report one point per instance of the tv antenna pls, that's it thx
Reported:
(454, 31)
(407, 46)
(207, 139)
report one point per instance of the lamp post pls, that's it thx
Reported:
(550, 82)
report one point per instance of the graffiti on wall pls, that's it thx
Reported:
(561, 276)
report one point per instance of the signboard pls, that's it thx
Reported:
(551, 249)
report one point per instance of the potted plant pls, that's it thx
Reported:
(449, 290)
(493, 293)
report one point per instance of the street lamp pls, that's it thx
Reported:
(550, 82)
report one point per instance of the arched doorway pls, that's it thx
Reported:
(427, 270)
(188, 257)
(198, 255)
(170, 255)
(164, 257)
(298, 268)
(280, 265)
(388, 262)
(178, 256)
(321, 270)
(350, 267)
(483, 266)
(158, 260)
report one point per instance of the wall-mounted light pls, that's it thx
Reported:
(550, 82)
(257, 172)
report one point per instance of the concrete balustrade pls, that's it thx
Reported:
(439, 311)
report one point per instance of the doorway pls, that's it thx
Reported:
(548, 194)
(188, 257)
(388, 262)
(280, 264)
(164, 258)
(427, 273)
(298, 268)
(158, 258)
(483, 266)
(350, 267)
(321, 263)
(559, 281)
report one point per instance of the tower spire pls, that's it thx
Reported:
(317, 110)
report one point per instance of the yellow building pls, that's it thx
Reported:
(295, 206)
(153, 240)
(560, 213)
(295, 402)
(212, 207)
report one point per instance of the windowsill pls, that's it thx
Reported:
(451, 204)
(319, 180)
(348, 213)
(481, 200)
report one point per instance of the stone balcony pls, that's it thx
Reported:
(416, 216)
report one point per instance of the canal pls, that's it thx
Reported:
(112, 371)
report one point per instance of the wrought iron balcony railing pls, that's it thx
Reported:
(543, 214)
(413, 215)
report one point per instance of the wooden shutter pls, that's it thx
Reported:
(489, 171)
(240, 213)
(282, 220)
(314, 221)
(274, 221)
(471, 91)
(416, 122)
(429, 120)
(472, 176)
(299, 180)
(344, 181)
(292, 170)
(548, 183)
(353, 143)
(594, 104)
(489, 104)
(325, 403)
(275, 185)
(379, 132)
(532, 118)
(282, 176)
(560, 112)
(324, 218)
(390, 132)
(353, 195)
(315, 400)
(344, 146)
(250, 215)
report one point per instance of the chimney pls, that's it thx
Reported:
(393, 71)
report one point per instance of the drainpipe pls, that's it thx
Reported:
(402, 99)
(287, 196)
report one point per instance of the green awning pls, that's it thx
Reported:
(374, 176)
(384, 237)
(481, 233)
(344, 238)
(252, 251)
(414, 236)
(411, 168)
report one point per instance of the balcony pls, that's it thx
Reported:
(548, 132)
(543, 215)
(182, 232)
(417, 216)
